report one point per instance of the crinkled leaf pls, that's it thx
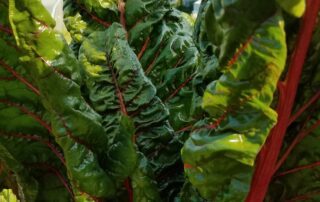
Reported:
(26, 145)
(189, 194)
(116, 87)
(222, 25)
(57, 74)
(143, 184)
(220, 153)
(122, 156)
(160, 37)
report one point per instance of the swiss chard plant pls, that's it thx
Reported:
(139, 103)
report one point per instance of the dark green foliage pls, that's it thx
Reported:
(135, 108)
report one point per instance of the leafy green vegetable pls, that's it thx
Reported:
(25, 142)
(117, 85)
(294, 7)
(136, 108)
(73, 122)
(6, 195)
(161, 39)
(220, 153)
(144, 187)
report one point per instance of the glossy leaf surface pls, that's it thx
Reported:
(57, 73)
(220, 153)
(26, 141)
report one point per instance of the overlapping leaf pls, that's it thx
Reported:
(220, 153)
(97, 165)
(143, 184)
(117, 87)
(57, 74)
(137, 82)
(161, 39)
(32, 164)
(293, 7)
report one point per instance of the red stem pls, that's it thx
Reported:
(218, 121)
(41, 140)
(99, 20)
(304, 107)
(19, 77)
(5, 29)
(55, 70)
(293, 170)
(178, 62)
(144, 47)
(228, 111)
(121, 7)
(187, 166)
(118, 92)
(28, 112)
(13, 46)
(93, 17)
(267, 159)
(70, 133)
(128, 186)
(138, 21)
(174, 93)
(150, 66)
(186, 128)
(239, 52)
(57, 174)
(298, 139)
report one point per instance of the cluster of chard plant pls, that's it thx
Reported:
(139, 103)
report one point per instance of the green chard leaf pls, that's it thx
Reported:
(135, 108)
(160, 37)
(117, 87)
(219, 155)
(26, 141)
(189, 194)
(143, 184)
(293, 7)
(56, 72)
(222, 25)
(161, 40)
